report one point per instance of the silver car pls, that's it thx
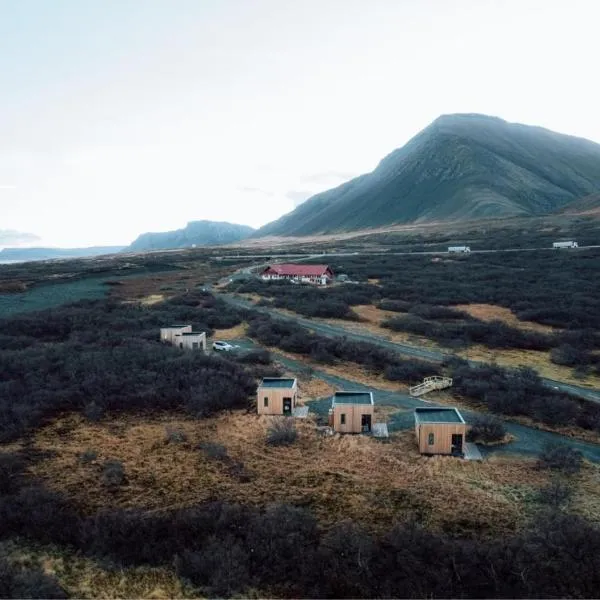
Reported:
(223, 346)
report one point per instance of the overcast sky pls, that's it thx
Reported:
(124, 116)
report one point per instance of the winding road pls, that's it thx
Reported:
(329, 330)
(528, 441)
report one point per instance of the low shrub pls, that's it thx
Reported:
(88, 456)
(113, 473)
(559, 457)
(175, 436)
(255, 357)
(486, 429)
(19, 582)
(213, 450)
(556, 494)
(282, 432)
(11, 467)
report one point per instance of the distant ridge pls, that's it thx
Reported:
(461, 167)
(199, 233)
(27, 254)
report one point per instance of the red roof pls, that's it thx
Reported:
(298, 270)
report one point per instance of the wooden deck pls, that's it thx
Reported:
(429, 384)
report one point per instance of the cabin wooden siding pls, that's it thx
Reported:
(167, 334)
(354, 413)
(275, 396)
(442, 436)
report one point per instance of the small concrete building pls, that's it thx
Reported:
(168, 333)
(352, 412)
(440, 430)
(190, 340)
(276, 396)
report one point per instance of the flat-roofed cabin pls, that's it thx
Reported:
(276, 396)
(167, 334)
(352, 412)
(190, 340)
(440, 430)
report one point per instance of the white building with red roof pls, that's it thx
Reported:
(319, 274)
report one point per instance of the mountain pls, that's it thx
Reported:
(199, 233)
(463, 166)
(27, 254)
(589, 205)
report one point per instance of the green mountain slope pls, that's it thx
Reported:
(199, 233)
(460, 167)
(586, 205)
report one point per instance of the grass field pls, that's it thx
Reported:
(339, 477)
(83, 577)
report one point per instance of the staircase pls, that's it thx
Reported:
(429, 384)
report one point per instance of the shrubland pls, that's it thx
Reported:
(510, 392)
(558, 290)
(101, 358)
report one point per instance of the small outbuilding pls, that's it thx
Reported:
(191, 340)
(352, 412)
(183, 337)
(440, 430)
(167, 334)
(276, 396)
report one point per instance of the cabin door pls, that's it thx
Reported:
(365, 423)
(287, 406)
(457, 443)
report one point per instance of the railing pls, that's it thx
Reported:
(430, 383)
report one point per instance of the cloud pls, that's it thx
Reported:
(327, 176)
(7, 187)
(254, 190)
(298, 196)
(10, 237)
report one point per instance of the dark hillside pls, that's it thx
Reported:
(589, 205)
(460, 167)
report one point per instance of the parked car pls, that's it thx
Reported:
(223, 346)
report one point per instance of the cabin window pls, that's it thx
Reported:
(431, 439)
(265, 402)
(342, 419)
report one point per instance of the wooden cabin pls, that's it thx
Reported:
(276, 396)
(352, 412)
(440, 430)
(167, 334)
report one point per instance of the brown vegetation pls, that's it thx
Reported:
(12, 287)
(84, 577)
(492, 312)
(312, 388)
(371, 318)
(339, 477)
(232, 333)
(538, 360)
